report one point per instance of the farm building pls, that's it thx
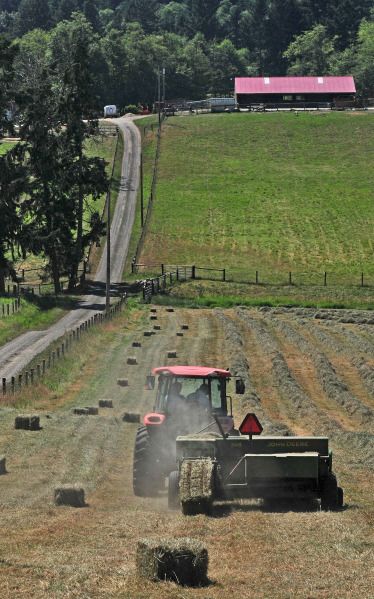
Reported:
(294, 91)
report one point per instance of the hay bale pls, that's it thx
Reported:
(196, 485)
(153, 317)
(123, 382)
(2, 464)
(169, 309)
(136, 344)
(132, 360)
(147, 333)
(105, 403)
(180, 334)
(80, 411)
(131, 417)
(72, 495)
(157, 327)
(184, 561)
(153, 310)
(27, 423)
(185, 327)
(92, 411)
(172, 354)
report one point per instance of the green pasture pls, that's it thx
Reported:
(5, 146)
(273, 192)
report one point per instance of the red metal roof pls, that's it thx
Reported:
(191, 371)
(294, 85)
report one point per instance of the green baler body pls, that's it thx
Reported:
(262, 466)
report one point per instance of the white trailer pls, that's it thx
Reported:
(110, 110)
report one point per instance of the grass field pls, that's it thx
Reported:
(310, 376)
(5, 146)
(268, 192)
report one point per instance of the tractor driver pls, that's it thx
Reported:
(201, 397)
(175, 398)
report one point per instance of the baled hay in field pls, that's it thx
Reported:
(184, 561)
(136, 344)
(92, 411)
(80, 411)
(28, 423)
(153, 317)
(105, 403)
(72, 495)
(196, 481)
(2, 464)
(169, 309)
(132, 360)
(184, 327)
(172, 354)
(123, 382)
(147, 333)
(153, 310)
(157, 327)
(131, 417)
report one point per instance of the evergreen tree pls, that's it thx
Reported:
(33, 14)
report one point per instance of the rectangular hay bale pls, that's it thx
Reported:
(196, 480)
(72, 495)
(131, 417)
(184, 561)
(105, 403)
(2, 464)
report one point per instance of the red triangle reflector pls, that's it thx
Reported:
(251, 425)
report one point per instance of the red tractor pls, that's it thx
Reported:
(190, 399)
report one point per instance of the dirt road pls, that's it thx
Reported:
(15, 355)
(303, 374)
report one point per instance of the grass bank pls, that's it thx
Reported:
(268, 192)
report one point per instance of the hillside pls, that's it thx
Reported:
(267, 192)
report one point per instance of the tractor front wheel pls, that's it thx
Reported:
(147, 480)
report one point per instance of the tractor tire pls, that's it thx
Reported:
(340, 497)
(146, 477)
(173, 490)
(329, 493)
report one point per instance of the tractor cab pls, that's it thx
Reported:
(190, 396)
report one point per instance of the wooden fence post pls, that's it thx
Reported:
(193, 272)
(13, 385)
(38, 371)
(290, 278)
(27, 378)
(4, 385)
(31, 376)
(224, 274)
(256, 277)
(43, 367)
(20, 381)
(325, 280)
(362, 279)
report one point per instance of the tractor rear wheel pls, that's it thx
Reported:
(340, 497)
(173, 490)
(146, 473)
(329, 493)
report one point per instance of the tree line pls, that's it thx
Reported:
(46, 179)
(204, 44)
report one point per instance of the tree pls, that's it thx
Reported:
(310, 53)
(364, 67)
(8, 52)
(33, 14)
(226, 63)
(71, 52)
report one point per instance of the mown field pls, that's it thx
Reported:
(268, 192)
(306, 372)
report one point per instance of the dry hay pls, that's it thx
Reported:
(147, 333)
(184, 561)
(131, 417)
(180, 334)
(2, 464)
(153, 310)
(169, 309)
(123, 382)
(132, 361)
(153, 317)
(172, 354)
(105, 403)
(184, 327)
(27, 423)
(157, 327)
(196, 485)
(80, 411)
(72, 495)
(136, 344)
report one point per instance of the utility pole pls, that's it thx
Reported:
(107, 293)
(163, 86)
(141, 191)
(159, 97)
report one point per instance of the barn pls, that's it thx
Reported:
(288, 92)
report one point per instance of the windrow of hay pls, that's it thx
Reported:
(184, 561)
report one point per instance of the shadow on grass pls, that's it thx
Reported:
(224, 510)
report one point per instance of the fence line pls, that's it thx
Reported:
(10, 308)
(152, 195)
(31, 376)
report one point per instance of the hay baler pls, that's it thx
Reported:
(179, 410)
(227, 467)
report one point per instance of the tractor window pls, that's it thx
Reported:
(216, 394)
(163, 386)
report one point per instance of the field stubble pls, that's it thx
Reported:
(47, 551)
